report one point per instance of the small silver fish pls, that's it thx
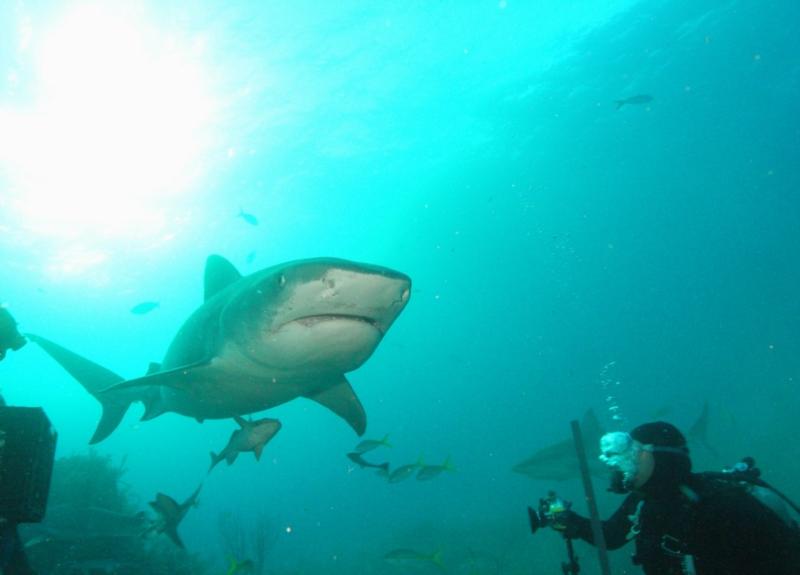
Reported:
(249, 218)
(144, 307)
(402, 556)
(428, 472)
(637, 100)
(404, 471)
(363, 463)
(235, 567)
(370, 444)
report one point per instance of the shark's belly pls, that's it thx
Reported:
(232, 385)
(226, 396)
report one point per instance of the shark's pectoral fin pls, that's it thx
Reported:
(341, 399)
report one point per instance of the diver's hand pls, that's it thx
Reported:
(557, 513)
(566, 522)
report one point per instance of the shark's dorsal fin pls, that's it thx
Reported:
(241, 421)
(220, 273)
(154, 367)
(341, 399)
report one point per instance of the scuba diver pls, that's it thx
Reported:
(686, 523)
(10, 338)
(12, 551)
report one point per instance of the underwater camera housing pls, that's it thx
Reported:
(27, 451)
(10, 338)
(548, 513)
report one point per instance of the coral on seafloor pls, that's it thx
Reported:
(93, 527)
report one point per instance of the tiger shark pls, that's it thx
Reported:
(258, 341)
(559, 461)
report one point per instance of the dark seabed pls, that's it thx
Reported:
(597, 204)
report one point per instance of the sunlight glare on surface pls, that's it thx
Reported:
(115, 129)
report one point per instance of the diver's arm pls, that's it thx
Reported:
(615, 529)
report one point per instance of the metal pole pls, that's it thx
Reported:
(594, 516)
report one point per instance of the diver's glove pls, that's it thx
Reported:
(568, 523)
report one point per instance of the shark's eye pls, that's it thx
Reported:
(282, 280)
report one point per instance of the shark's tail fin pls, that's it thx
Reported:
(619, 104)
(93, 378)
(698, 432)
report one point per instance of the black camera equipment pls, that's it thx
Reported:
(548, 511)
(27, 451)
(553, 510)
(547, 514)
(10, 338)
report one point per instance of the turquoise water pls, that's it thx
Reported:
(475, 146)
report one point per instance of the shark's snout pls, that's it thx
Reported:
(370, 295)
(323, 315)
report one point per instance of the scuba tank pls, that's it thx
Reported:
(747, 474)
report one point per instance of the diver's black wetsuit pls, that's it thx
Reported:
(726, 530)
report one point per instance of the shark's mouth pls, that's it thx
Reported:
(312, 320)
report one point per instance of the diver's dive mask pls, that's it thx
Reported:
(621, 452)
